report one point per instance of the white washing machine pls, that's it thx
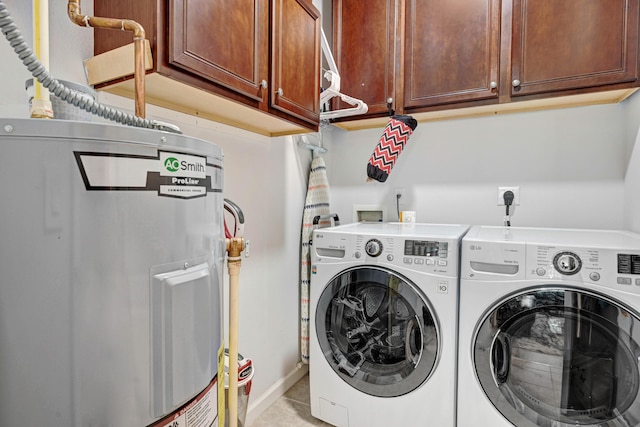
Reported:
(549, 328)
(383, 315)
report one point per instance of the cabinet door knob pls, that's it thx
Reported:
(493, 85)
(280, 92)
(390, 106)
(515, 83)
(264, 84)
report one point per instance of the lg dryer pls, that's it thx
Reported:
(383, 324)
(549, 328)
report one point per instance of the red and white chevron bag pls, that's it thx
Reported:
(392, 141)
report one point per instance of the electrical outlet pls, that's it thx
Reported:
(516, 195)
(399, 192)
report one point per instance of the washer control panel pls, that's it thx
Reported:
(420, 254)
(607, 258)
(608, 267)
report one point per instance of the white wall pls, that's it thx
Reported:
(632, 179)
(569, 164)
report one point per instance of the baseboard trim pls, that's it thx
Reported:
(262, 403)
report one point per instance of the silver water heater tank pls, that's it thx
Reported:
(110, 275)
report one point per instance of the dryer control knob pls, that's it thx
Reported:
(373, 247)
(567, 263)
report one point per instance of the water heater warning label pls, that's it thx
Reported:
(200, 412)
(169, 174)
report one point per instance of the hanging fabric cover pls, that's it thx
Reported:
(317, 203)
(392, 141)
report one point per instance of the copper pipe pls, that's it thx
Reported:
(76, 16)
(235, 246)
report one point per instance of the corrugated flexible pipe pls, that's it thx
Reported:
(16, 40)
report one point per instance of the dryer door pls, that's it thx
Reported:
(378, 331)
(559, 356)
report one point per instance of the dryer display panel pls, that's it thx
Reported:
(425, 248)
(560, 356)
(628, 264)
(378, 331)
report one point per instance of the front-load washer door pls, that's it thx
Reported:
(378, 331)
(560, 356)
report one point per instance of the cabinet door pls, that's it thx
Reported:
(295, 68)
(571, 44)
(365, 51)
(225, 41)
(452, 51)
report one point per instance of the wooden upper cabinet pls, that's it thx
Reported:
(222, 60)
(491, 54)
(295, 69)
(572, 44)
(364, 49)
(451, 51)
(225, 41)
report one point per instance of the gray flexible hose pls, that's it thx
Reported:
(13, 35)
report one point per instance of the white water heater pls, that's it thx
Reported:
(110, 275)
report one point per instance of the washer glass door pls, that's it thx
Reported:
(378, 331)
(559, 356)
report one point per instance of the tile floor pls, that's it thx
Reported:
(293, 409)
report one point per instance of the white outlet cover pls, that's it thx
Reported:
(516, 195)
